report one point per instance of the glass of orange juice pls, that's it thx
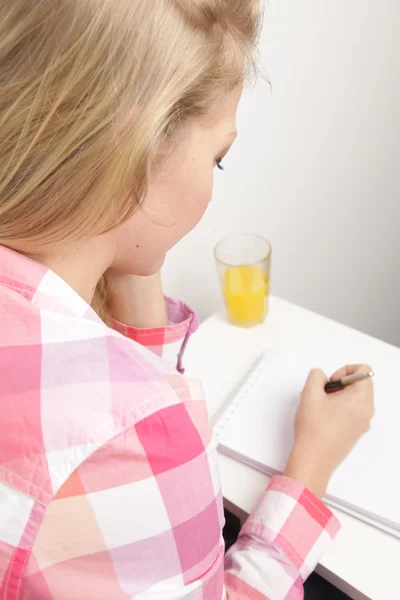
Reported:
(244, 265)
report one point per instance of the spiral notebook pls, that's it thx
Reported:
(256, 428)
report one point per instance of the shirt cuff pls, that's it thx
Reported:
(296, 521)
(169, 341)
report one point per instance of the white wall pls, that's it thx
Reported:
(316, 168)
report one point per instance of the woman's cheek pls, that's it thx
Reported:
(200, 207)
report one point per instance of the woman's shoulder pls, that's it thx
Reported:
(71, 384)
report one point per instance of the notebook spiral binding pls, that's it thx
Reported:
(239, 393)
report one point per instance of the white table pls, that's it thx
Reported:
(363, 562)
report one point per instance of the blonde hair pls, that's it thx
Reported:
(89, 90)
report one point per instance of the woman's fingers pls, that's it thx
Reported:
(349, 370)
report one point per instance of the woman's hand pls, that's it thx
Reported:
(327, 426)
(136, 300)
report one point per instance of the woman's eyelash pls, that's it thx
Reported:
(219, 165)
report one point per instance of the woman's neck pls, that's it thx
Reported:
(81, 264)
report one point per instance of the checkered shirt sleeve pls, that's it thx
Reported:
(142, 518)
(167, 342)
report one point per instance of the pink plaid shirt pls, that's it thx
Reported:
(109, 485)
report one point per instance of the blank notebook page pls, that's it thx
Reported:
(257, 428)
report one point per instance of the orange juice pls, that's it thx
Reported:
(246, 290)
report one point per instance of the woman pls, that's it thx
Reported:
(113, 114)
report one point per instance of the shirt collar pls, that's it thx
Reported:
(40, 285)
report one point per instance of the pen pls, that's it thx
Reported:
(340, 384)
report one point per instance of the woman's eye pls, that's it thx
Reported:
(219, 165)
